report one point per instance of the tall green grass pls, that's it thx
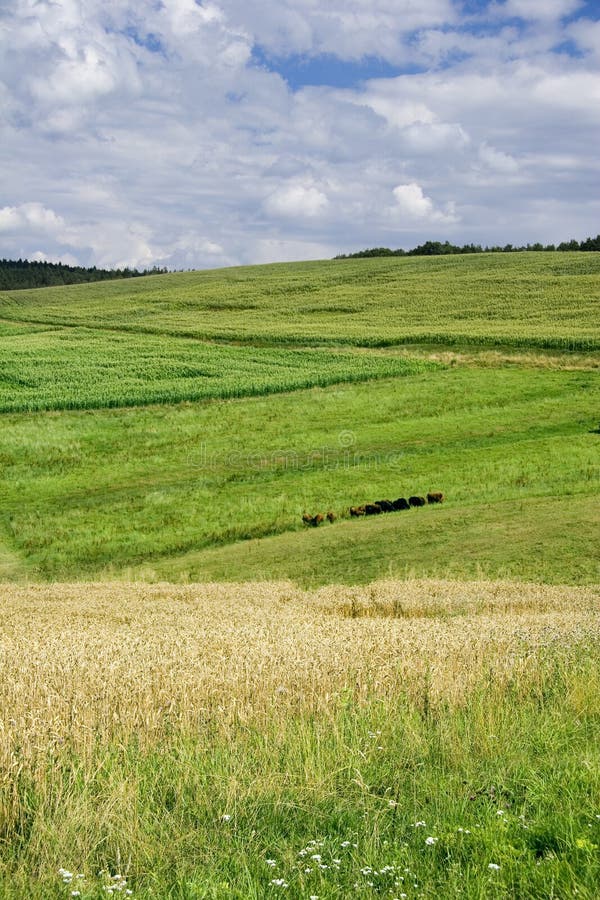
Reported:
(382, 799)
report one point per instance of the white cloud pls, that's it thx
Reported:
(31, 217)
(497, 160)
(349, 29)
(586, 34)
(66, 258)
(296, 200)
(539, 9)
(410, 203)
(136, 133)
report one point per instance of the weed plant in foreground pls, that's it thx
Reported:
(404, 739)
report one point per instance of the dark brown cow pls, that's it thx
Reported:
(401, 503)
(416, 501)
(372, 509)
(385, 505)
(435, 497)
(331, 516)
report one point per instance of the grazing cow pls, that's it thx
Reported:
(372, 509)
(313, 521)
(416, 501)
(435, 497)
(401, 503)
(386, 505)
(331, 516)
(357, 511)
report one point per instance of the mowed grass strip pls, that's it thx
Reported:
(102, 491)
(520, 299)
(86, 369)
(432, 738)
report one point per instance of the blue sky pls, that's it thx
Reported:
(193, 134)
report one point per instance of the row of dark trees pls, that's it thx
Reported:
(437, 248)
(22, 273)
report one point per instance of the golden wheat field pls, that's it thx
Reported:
(80, 663)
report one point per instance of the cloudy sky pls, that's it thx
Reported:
(198, 134)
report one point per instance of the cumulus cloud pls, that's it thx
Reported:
(412, 204)
(31, 217)
(296, 200)
(136, 133)
(349, 29)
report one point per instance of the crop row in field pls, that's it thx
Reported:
(78, 368)
(529, 299)
(427, 739)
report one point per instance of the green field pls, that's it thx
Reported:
(521, 299)
(93, 492)
(249, 435)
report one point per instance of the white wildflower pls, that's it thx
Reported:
(493, 866)
(430, 841)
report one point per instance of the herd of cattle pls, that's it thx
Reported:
(374, 509)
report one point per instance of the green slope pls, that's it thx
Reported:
(523, 299)
(550, 540)
(86, 492)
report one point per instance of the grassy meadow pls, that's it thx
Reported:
(202, 698)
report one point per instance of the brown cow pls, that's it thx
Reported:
(416, 501)
(331, 516)
(314, 521)
(435, 497)
(357, 511)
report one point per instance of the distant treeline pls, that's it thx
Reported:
(21, 273)
(437, 248)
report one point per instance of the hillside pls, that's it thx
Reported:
(299, 388)
(521, 300)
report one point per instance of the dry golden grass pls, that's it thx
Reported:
(86, 662)
(486, 358)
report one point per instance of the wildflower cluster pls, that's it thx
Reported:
(391, 878)
(111, 884)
